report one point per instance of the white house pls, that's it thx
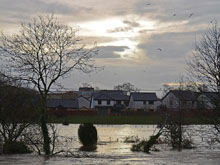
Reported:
(208, 100)
(143, 101)
(83, 102)
(176, 99)
(73, 103)
(108, 99)
(86, 91)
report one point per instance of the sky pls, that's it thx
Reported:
(144, 42)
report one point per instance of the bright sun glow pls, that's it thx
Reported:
(105, 28)
(129, 52)
(100, 28)
(108, 28)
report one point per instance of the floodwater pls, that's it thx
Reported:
(111, 149)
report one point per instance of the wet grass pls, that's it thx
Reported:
(151, 119)
(108, 119)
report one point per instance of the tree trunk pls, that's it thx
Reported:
(44, 129)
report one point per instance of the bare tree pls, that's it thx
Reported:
(128, 87)
(43, 52)
(17, 111)
(204, 66)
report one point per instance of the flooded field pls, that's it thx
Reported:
(112, 149)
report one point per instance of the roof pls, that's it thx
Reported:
(185, 95)
(110, 95)
(86, 89)
(66, 103)
(63, 94)
(144, 96)
(212, 95)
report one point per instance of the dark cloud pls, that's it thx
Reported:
(21, 10)
(169, 46)
(131, 23)
(27, 6)
(120, 29)
(164, 10)
(110, 51)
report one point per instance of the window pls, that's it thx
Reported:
(151, 102)
(144, 102)
(108, 102)
(118, 102)
(99, 102)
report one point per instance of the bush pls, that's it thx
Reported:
(87, 134)
(15, 148)
(145, 145)
(139, 146)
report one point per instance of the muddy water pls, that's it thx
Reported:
(112, 150)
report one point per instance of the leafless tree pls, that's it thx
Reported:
(204, 65)
(17, 111)
(43, 52)
(128, 87)
(32, 137)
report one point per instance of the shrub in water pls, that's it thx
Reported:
(15, 148)
(145, 145)
(87, 134)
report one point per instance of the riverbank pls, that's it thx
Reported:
(152, 119)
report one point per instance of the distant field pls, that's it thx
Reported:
(152, 119)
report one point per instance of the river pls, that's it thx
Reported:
(111, 149)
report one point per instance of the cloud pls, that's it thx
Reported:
(22, 10)
(88, 40)
(110, 51)
(23, 7)
(120, 29)
(168, 46)
(131, 23)
(175, 35)
(129, 26)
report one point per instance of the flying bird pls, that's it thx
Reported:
(159, 49)
(148, 4)
(174, 14)
(191, 15)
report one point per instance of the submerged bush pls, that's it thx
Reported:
(139, 146)
(145, 145)
(15, 148)
(187, 144)
(87, 134)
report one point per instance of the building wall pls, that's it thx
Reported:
(170, 101)
(140, 105)
(83, 102)
(205, 102)
(173, 103)
(94, 103)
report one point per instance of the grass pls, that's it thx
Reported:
(108, 119)
(148, 119)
